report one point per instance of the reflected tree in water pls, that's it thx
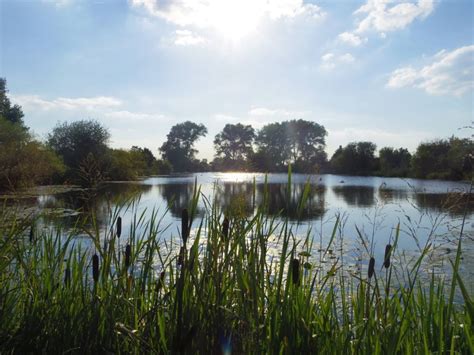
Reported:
(358, 196)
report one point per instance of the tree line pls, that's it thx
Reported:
(79, 153)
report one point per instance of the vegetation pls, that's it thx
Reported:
(355, 159)
(220, 289)
(234, 147)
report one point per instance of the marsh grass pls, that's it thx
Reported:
(219, 289)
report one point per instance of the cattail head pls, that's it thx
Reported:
(225, 228)
(95, 267)
(67, 276)
(182, 250)
(371, 267)
(32, 234)
(386, 259)
(128, 255)
(161, 282)
(119, 227)
(295, 270)
(184, 225)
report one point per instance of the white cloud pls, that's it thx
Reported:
(330, 60)
(380, 16)
(352, 39)
(448, 73)
(215, 13)
(58, 3)
(188, 38)
(64, 103)
(128, 116)
(266, 112)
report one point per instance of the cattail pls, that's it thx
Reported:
(386, 259)
(295, 269)
(128, 254)
(95, 268)
(184, 225)
(119, 227)
(67, 276)
(32, 234)
(161, 282)
(371, 267)
(181, 256)
(225, 228)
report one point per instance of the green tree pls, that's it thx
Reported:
(357, 158)
(394, 162)
(233, 146)
(179, 146)
(13, 114)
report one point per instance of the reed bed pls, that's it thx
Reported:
(217, 290)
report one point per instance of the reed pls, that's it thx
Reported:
(236, 294)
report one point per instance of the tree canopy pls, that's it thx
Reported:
(233, 146)
(357, 158)
(179, 146)
(13, 114)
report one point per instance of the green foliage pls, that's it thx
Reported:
(357, 158)
(297, 142)
(444, 159)
(179, 146)
(75, 141)
(394, 162)
(24, 161)
(13, 114)
(221, 289)
(233, 147)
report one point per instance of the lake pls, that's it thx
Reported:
(424, 208)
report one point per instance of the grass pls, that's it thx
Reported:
(219, 289)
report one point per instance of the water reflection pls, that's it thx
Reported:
(357, 196)
(178, 197)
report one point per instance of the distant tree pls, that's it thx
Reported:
(444, 159)
(297, 142)
(145, 159)
(13, 114)
(233, 146)
(394, 162)
(79, 143)
(357, 158)
(179, 146)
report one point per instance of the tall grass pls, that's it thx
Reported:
(220, 288)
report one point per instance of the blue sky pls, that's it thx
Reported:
(392, 72)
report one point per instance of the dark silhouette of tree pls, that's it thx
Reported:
(78, 143)
(357, 158)
(394, 162)
(179, 146)
(13, 114)
(297, 142)
(233, 146)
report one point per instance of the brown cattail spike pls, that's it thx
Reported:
(67, 276)
(181, 256)
(225, 228)
(128, 255)
(386, 259)
(95, 267)
(295, 270)
(119, 227)
(184, 225)
(371, 267)
(32, 234)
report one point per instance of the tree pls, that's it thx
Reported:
(444, 159)
(75, 141)
(297, 142)
(357, 158)
(394, 162)
(234, 145)
(179, 146)
(12, 114)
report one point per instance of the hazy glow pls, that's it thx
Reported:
(234, 19)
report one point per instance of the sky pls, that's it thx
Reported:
(392, 72)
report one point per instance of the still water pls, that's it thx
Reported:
(368, 207)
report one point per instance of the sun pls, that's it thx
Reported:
(234, 19)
